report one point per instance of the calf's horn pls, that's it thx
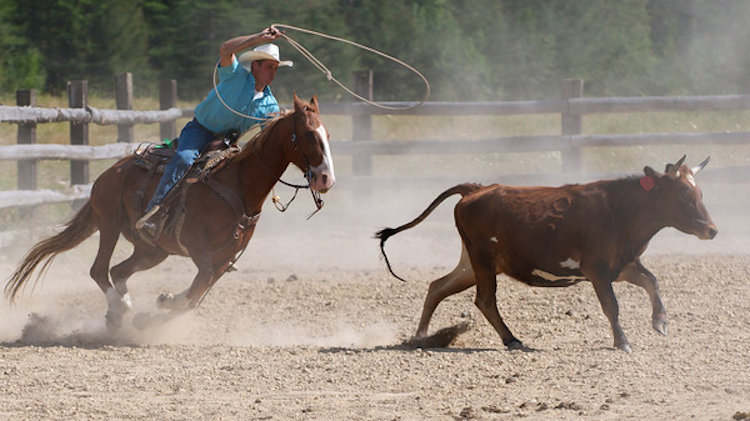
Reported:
(700, 166)
(672, 171)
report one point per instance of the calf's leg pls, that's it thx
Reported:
(605, 293)
(637, 274)
(486, 301)
(461, 278)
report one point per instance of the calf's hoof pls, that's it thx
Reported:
(660, 326)
(514, 344)
(624, 346)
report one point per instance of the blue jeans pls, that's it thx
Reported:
(193, 139)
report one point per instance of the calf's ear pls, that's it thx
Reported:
(651, 172)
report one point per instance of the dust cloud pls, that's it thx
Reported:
(68, 308)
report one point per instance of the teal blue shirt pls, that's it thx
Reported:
(237, 88)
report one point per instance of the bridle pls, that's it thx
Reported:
(281, 207)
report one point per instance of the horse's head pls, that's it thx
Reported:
(312, 152)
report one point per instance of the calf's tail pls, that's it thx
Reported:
(81, 227)
(384, 234)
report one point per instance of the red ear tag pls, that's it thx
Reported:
(647, 183)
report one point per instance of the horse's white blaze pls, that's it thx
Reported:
(570, 264)
(493, 240)
(325, 167)
(550, 277)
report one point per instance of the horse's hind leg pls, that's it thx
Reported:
(461, 278)
(144, 257)
(117, 303)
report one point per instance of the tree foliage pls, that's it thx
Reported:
(80, 39)
(477, 50)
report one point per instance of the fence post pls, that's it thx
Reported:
(124, 101)
(362, 123)
(167, 100)
(79, 132)
(572, 157)
(27, 179)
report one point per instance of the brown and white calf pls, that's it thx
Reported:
(558, 236)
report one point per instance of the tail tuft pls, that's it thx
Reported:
(384, 234)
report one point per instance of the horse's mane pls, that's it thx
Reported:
(257, 141)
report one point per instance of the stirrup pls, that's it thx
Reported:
(149, 232)
(145, 218)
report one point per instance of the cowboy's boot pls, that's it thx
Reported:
(148, 225)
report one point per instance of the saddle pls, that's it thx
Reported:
(154, 159)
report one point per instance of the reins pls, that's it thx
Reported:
(329, 75)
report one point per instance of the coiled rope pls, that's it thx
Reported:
(327, 72)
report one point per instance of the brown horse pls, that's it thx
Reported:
(219, 217)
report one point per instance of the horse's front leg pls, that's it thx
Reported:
(191, 297)
(210, 269)
(185, 301)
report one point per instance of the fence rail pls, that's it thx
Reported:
(362, 148)
(579, 106)
(36, 115)
(72, 152)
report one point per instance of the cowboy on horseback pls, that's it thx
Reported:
(245, 86)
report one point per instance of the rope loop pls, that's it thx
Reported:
(317, 63)
(327, 72)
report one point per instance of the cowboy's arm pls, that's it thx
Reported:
(234, 45)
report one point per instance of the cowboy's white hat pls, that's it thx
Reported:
(262, 52)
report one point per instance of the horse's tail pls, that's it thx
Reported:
(81, 227)
(384, 234)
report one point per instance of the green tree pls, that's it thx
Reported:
(304, 78)
(84, 39)
(21, 66)
(185, 37)
(605, 43)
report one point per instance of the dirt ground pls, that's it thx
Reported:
(309, 328)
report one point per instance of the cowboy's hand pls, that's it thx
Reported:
(270, 33)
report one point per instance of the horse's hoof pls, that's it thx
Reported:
(114, 321)
(165, 301)
(142, 321)
(624, 347)
(660, 326)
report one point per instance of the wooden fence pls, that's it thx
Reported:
(570, 143)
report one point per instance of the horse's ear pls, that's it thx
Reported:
(298, 103)
(314, 100)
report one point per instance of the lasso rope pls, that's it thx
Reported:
(310, 57)
(328, 74)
